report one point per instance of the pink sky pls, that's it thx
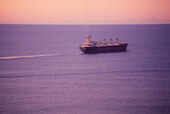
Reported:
(85, 11)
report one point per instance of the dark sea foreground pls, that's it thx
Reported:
(43, 71)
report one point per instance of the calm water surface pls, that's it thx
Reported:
(43, 71)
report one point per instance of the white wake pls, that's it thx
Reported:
(29, 56)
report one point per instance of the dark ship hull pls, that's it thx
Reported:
(104, 49)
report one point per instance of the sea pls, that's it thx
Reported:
(43, 71)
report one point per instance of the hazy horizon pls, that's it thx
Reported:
(85, 24)
(84, 12)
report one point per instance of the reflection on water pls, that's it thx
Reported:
(42, 70)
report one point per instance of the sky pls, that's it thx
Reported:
(84, 11)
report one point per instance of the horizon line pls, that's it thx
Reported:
(86, 24)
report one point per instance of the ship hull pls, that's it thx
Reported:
(104, 49)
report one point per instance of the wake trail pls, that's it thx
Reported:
(29, 56)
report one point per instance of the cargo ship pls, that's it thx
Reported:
(102, 47)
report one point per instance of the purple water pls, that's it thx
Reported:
(43, 71)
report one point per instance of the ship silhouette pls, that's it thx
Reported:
(90, 46)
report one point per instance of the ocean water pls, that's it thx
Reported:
(42, 70)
